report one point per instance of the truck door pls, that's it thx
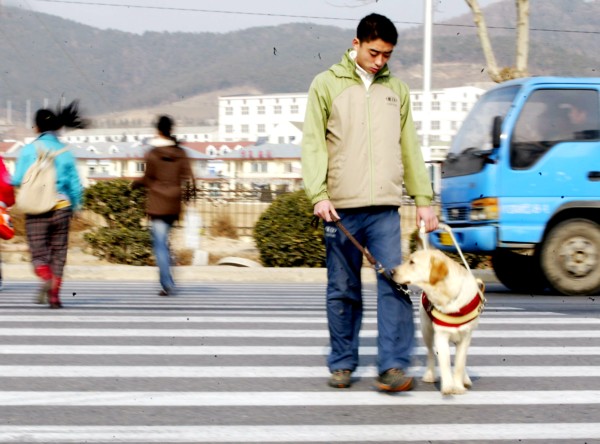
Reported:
(553, 151)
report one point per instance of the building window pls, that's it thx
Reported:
(465, 106)
(281, 139)
(417, 106)
(229, 110)
(277, 109)
(261, 128)
(245, 111)
(259, 167)
(245, 128)
(452, 106)
(435, 124)
(434, 138)
(287, 167)
(140, 167)
(229, 129)
(453, 125)
(261, 109)
(294, 109)
(418, 125)
(435, 106)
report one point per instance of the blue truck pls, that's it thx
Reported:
(521, 183)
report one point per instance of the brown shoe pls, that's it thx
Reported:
(340, 378)
(394, 380)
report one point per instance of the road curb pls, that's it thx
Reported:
(208, 273)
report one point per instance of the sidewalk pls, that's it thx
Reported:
(208, 273)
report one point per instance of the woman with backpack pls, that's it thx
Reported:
(168, 169)
(48, 229)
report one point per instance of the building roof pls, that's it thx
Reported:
(202, 147)
(112, 150)
(265, 151)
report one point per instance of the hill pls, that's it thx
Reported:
(111, 71)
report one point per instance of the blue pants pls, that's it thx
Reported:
(377, 229)
(160, 229)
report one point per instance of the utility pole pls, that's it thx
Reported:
(426, 121)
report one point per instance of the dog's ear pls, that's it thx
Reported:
(438, 270)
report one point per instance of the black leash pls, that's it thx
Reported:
(379, 268)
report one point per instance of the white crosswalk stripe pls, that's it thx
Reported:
(246, 363)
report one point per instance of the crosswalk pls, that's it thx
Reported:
(245, 363)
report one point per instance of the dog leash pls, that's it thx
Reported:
(379, 268)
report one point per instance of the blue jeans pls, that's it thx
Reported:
(160, 229)
(377, 229)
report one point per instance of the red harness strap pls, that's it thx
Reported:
(455, 319)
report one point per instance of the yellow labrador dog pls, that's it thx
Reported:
(450, 306)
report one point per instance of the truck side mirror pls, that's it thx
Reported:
(496, 131)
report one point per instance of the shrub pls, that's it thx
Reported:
(223, 226)
(284, 235)
(124, 240)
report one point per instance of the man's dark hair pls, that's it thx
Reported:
(376, 26)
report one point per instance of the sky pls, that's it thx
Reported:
(138, 16)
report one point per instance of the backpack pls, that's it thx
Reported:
(37, 192)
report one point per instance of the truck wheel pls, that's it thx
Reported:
(518, 272)
(571, 257)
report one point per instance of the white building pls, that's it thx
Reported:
(257, 117)
(277, 118)
(132, 135)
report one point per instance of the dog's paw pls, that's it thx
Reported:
(453, 390)
(428, 376)
(467, 381)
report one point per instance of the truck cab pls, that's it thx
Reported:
(521, 183)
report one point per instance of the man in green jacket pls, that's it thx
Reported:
(359, 147)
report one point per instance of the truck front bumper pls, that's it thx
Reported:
(470, 239)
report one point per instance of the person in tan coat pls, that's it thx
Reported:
(168, 170)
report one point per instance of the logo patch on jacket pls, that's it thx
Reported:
(391, 100)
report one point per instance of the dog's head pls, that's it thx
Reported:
(423, 267)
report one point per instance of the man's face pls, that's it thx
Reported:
(372, 56)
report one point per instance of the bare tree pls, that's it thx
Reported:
(522, 35)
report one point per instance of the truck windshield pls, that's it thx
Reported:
(475, 134)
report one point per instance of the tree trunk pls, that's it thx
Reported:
(486, 45)
(522, 55)
(522, 42)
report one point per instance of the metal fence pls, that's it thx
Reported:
(239, 209)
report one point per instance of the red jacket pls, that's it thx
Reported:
(7, 192)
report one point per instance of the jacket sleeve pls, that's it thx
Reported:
(24, 161)
(314, 147)
(416, 177)
(73, 181)
(7, 191)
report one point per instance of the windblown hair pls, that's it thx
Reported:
(376, 26)
(48, 120)
(165, 125)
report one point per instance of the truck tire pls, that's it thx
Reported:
(570, 257)
(518, 272)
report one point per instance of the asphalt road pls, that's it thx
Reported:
(245, 362)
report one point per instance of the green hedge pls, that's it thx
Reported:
(124, 240)
(284, 235)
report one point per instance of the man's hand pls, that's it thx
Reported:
(427, 215)
(324, 209)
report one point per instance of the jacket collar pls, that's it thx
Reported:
(160, 142)
(347, 68)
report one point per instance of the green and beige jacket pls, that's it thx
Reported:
(360, 145)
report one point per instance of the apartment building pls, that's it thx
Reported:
(278, 118)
